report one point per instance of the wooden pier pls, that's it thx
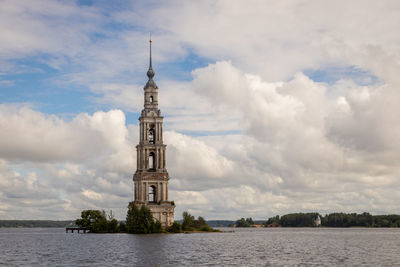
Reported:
(78, 229)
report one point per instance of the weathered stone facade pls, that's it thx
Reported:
(151, 177)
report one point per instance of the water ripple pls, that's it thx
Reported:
(244, 247)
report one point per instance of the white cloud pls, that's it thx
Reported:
(44, 27)
(276, 141)
(92, 195)
(277, 39)
(66, 166)
(32, 136)
(299, 148)
(295, 146)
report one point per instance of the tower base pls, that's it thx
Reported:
(163, 212)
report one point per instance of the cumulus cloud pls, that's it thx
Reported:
(252, 134)
(25, 195)
(204, 166)
(44, 28)
(293, 151)
(66, 163)
(301, 146)
(32, 136)
(277, 39)
(297, 148)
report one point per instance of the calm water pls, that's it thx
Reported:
(244, 247)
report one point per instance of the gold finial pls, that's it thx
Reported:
(150, 38)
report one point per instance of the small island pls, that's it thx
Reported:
(138, 221)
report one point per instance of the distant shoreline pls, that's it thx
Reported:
(68, 223)
(35, 223)
(342, 220)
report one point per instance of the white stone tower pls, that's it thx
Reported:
(151, 177)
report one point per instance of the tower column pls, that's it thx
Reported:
(146, 131)
(159, 132)
(158, 192)
(165, 191)
(141, 159)
(161, 192)
(141, 132)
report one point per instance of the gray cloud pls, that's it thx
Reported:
(302, 143)
(275, 141)
(49, 163)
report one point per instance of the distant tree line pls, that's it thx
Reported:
(294, 220)
(334, 220)
(220, 223)
(34, 223)
(362, 220)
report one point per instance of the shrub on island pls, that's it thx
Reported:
(191, 224)
(140, 221)
(248, 222)
(96, 221)
(176, 227)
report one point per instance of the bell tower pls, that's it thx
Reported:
(151, 177)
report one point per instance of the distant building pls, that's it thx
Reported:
(318, 221)
(151, 177)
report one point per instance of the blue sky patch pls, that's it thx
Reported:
(332, 74)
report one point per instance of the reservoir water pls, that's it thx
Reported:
(243, 247)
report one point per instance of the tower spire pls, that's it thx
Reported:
(150, 41)
(150, 72)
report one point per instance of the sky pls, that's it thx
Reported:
(270, 107)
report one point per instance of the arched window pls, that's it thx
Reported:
(151, 99)
(152, 194)
(151, 161)
(151, 136)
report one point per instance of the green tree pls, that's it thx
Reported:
(140, 221)
(156, 227)
(347, 220)
(298, 220)
(250, 221)
(122, 227)
(112, 226)
(94, 220)
(242, 223)
(199, 223)
(175, 228)
(274, 221)
(188, 222)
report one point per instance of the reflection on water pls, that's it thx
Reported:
(244, 247)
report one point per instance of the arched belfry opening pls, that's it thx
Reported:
(151, 176)
(151, 136)
(152, 161)
(152, 194)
